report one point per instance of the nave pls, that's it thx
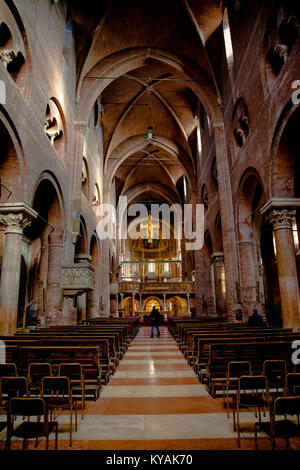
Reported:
(154, 401)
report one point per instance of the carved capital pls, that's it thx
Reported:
(15, 223)
(7, 57)
(218, 260)
(281, 219)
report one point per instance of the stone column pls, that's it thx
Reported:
(10, 273)
(227, 220)
(93, 298)
(199, 283)
(43, 278)
(133, 299)
(141, 302)
(165, 302)
(249, 277)
(281, 221)
(219, 282)
(52, 316)
(117, 305)
(188, 304)
(104, 277)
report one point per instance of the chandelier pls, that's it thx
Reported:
(150, 136)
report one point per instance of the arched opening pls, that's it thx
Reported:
(11, 184)
(45, 253)
(177, 306)
(81, 243)
(130, 306)
(151, 302)
(251, 199)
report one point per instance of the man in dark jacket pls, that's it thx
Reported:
(154, 317)
(255, 319)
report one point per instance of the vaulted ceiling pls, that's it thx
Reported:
(150, 93)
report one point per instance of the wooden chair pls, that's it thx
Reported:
(275, 371)
(11, 387)
(28, 408)
(284, 428)
(252, 393)
(8, 370)
(57, 393)
(235, 370)
(76, 375)
(292, 384)
(36, 372)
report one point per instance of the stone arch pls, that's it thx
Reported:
(286, 153)
(130, 305)
(124, 61)
(11, 164)
(251, 193)
(177, 305)
(136, 143)
(137, 190)
(148, 300)
(47, 234)
(251, 197)
(81, 246)
(51, 203)
(20, 66)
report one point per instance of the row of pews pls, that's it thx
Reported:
(209, 347)
(98, 347)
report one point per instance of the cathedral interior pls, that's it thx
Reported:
(173, 104)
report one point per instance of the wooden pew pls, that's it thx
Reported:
(256, 352)
(88, 357)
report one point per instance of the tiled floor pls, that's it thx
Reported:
(155, 401)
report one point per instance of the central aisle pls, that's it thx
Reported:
(155, 401)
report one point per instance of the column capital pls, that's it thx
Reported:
(15, 223)
(281, 218)
(16, 216)
(280, 204)
(218, 258)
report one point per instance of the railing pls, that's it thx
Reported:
(183, 287)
